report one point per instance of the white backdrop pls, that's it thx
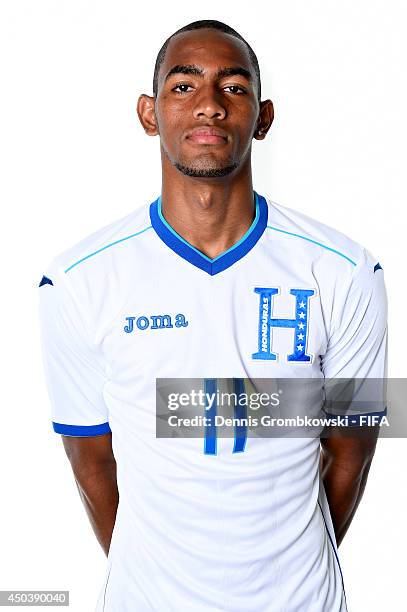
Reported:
(74, 158)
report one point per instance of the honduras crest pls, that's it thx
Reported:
(299, 324)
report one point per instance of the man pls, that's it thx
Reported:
(210, 281)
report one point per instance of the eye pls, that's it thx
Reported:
(235, 89)
(181, 88)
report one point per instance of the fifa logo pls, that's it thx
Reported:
(299, 324)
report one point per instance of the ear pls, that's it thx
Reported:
(266, 116)
(146, 114)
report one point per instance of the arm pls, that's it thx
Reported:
(356, 353)
(94, 468)
(345, 464)
(75, 369)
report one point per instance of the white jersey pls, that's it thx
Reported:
(210, 524)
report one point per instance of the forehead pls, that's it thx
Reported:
(207, 48)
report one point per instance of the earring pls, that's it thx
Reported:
(260, 132)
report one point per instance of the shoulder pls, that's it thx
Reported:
(86, 281)
(307, 235)
(107, 241)
(102, 246)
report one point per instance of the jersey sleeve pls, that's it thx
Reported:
(74, 367)
(357, 346)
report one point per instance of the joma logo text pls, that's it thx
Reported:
(154, 322)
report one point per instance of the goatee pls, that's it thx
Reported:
(205, 172)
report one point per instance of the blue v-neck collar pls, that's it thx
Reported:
(226, 259)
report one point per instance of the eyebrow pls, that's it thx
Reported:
(222, 72)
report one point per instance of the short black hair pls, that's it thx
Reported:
(214, 25)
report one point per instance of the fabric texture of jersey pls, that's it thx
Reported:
(237, 530)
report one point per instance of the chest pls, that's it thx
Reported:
(258, 323)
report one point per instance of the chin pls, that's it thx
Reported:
(206, 170)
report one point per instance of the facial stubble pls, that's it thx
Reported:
(205, 172)
(199, 172)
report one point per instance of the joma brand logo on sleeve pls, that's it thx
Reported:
(154, 322)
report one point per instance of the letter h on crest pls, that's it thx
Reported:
(299, 324)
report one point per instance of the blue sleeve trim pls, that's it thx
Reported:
(81, 430)
(354, 419)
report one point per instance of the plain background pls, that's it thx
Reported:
(74, 158)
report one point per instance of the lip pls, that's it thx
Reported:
(207, 135)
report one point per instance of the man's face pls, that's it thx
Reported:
(207, 106)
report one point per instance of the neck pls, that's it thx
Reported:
(212, 214)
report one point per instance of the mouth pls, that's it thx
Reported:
(207, 135)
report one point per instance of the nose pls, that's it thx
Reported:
(209, 105)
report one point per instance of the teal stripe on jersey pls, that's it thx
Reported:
(107, 247)
(276, 229)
